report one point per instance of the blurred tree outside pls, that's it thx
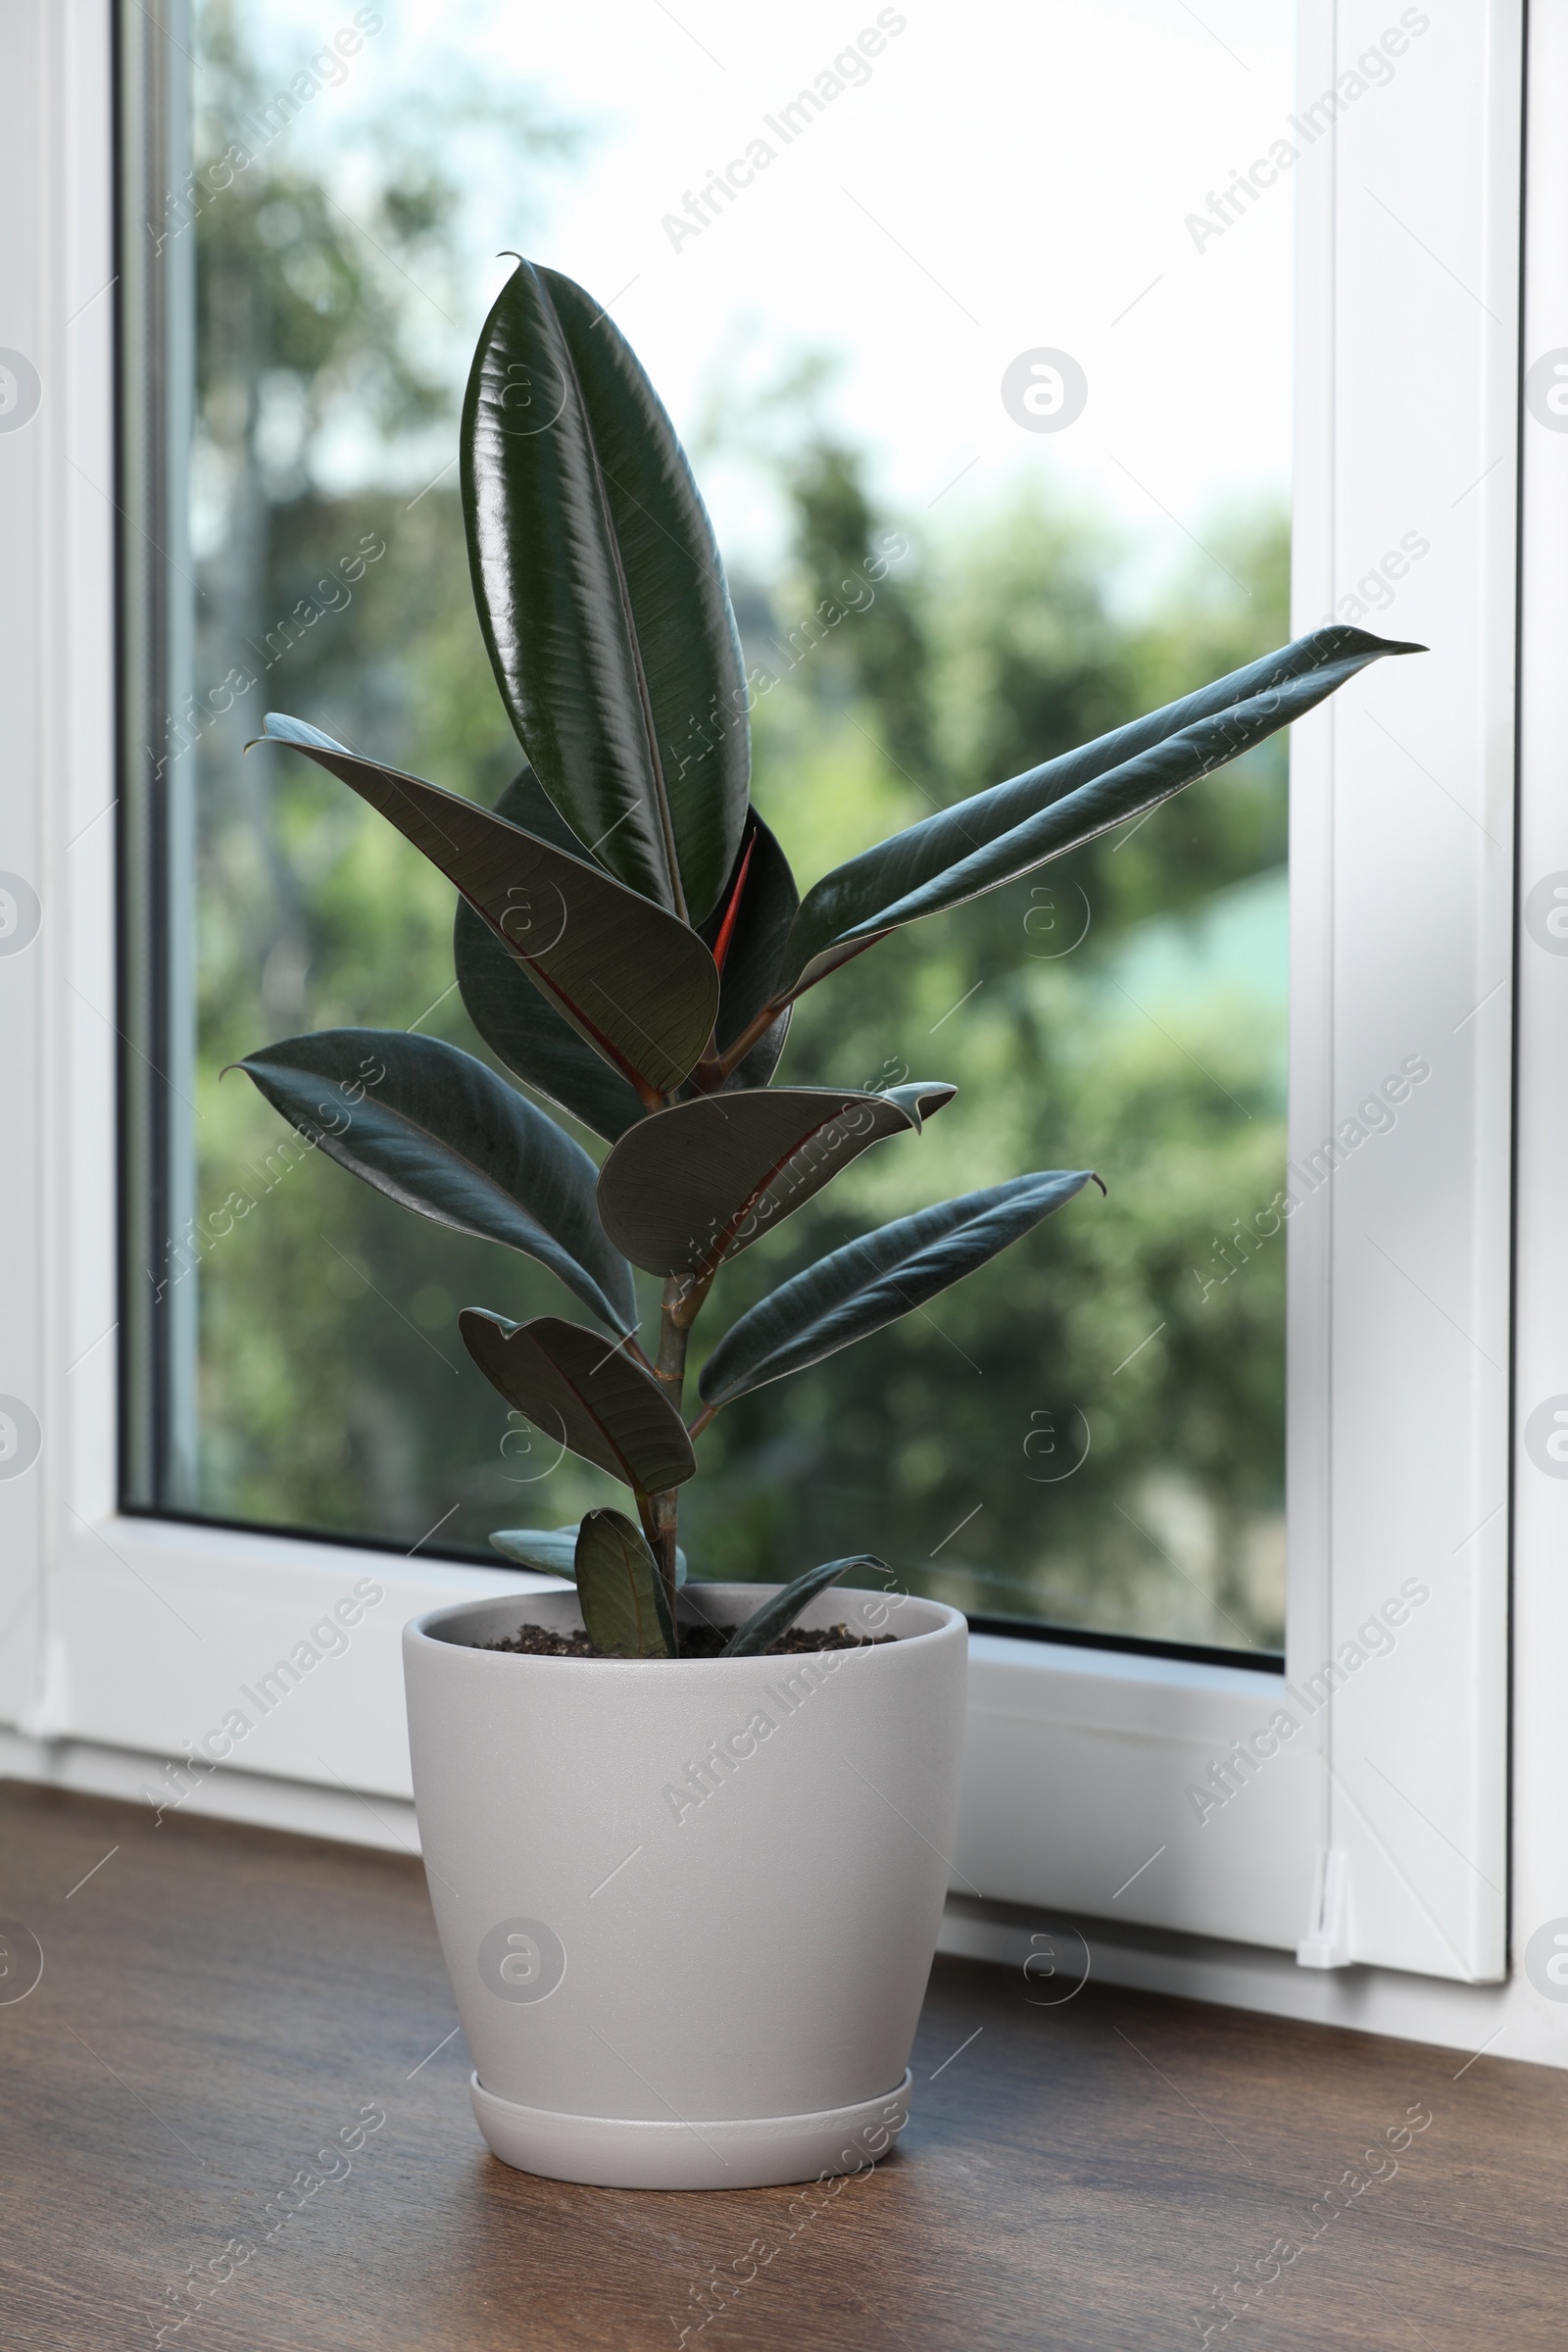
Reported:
(1092, 1430)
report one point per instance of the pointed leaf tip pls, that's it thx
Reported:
(779, 1612)
(870, 1283)
(690, 1187)
(602, 595)
(635, 984)
(993, 837)
(278, 727)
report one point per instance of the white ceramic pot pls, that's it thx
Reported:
(688, 1907)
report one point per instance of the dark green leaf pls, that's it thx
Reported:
(764, 1625)
(998, 835)
(437, 1131)
(759, 1062)
(873, 1281)
(748, 931)
(514, 1019)
(553, 1550)
(632, 981)
(691, 1186)
(524, 802)
(624, 1611)
(601, 596)
(587, 1396)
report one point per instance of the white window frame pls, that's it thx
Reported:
(1375, 1842)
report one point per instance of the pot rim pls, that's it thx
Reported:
(420, 1630)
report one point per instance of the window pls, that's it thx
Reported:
(951, 558)
(1377, 1831)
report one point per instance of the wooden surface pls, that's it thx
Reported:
(218, 2005)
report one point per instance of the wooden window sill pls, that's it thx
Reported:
(217, 2003)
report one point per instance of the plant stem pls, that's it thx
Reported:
(665, 1508)
(754, 1030)
(758, 1027)
(670, 1370)
(669, 1365)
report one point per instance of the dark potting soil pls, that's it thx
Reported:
(696, 1642)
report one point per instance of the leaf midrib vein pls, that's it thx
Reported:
(628, 617)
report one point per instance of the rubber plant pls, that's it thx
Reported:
(630, 941)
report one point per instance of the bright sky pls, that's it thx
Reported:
(1002, 176)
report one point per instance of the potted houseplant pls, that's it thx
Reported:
(686, 1843)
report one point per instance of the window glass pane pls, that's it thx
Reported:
(976, 325)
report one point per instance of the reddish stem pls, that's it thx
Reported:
(726, 929)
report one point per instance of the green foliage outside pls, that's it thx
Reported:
(334, 1393)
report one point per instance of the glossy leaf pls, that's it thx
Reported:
(759, 1061)
(633, 982)
(748, 931)
(516, 1021)
(553, 1550)
(873, 1282)
(625, 1612)
(588, 1396)
(601, 596)
(764, 1625)
(437, 1131)
(995, 836)
(691, 1186)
